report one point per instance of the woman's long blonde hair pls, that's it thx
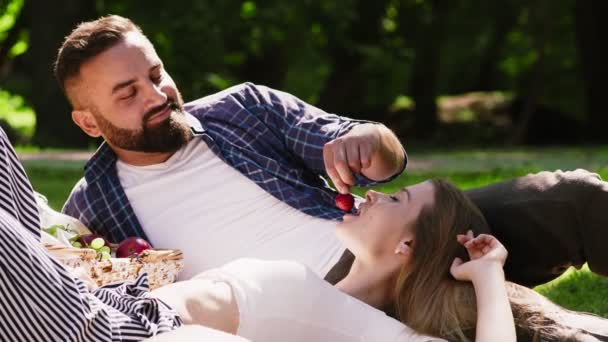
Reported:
(428, 299)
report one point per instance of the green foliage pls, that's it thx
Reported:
(17, 114)
(301, 46)
(8, 15)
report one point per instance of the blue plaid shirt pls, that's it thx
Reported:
(271, 137)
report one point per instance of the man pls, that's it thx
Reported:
(235, 174)
(238, 173)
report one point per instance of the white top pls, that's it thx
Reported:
(197, 203)
(285, 301)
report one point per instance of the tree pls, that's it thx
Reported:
(48, 23)
(428, 36)
(11, 38)
(591, 30)
(344, 90)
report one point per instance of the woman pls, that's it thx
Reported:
(409, 262)
(284, 301)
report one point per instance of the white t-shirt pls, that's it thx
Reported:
(197, 203)
(285, 301)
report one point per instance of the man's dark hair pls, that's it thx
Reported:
(88, 40)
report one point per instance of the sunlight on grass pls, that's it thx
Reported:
(579, 290)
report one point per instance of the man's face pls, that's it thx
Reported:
(130, 100)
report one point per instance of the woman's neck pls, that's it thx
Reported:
(369, 284)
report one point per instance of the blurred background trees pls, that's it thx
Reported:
(436, 71)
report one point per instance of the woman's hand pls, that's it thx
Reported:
(486, 254)
(494, 317)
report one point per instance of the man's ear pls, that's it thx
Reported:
(86, 121)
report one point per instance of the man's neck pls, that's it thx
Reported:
(141, 158)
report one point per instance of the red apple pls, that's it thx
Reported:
(131, 247)
(86, 239)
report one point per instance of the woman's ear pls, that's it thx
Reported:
(404, 247)
(86, 121)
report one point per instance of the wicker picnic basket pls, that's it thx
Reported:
(162, 266)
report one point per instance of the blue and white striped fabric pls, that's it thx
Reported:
(41, 301)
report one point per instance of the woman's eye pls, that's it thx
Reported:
(394, 198)
(157, 79)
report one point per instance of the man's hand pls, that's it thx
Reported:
(370, 149)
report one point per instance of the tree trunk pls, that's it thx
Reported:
(591, 30)
(541, 40)
(49, 22)
(269, 68)
(344, 90)
(506, 18)
(425, 77)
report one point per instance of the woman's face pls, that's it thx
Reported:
(384, 221)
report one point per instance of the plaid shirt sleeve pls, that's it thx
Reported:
(305, 128)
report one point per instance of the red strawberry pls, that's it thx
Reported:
(345, 201)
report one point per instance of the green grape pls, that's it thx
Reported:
(97, 243)
(51, 230)
(105, 255)
(76, 244)
(105, 249)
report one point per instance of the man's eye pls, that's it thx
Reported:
(130, 95)
(157, 79)
(394, 198)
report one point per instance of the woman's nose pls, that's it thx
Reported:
(371, 196)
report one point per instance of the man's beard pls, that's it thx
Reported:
(166, 136)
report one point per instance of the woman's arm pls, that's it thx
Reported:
(494, 317)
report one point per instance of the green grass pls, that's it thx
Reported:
(54, 179)
(577, 290)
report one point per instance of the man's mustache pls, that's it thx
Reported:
(169, 103)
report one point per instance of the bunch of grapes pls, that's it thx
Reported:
(98, 245)
(92, 241)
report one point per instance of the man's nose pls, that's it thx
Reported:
(155, 95)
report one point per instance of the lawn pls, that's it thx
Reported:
(579, 290)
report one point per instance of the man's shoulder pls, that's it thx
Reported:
(239, 93)
(77, 195)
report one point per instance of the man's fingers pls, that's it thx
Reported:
(332, 172)
(365, 153)
(353, 157)
(341, 165)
